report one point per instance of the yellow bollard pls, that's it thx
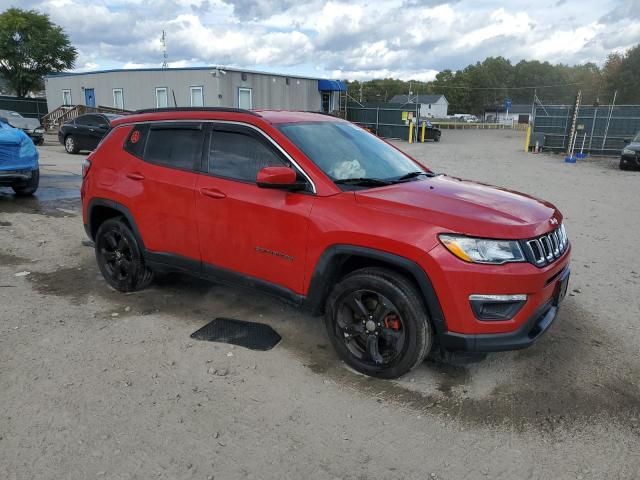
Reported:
(410, 131)
(527, 139)
(424, 129)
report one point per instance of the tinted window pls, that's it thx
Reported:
(137, 140)
(240, 155)
(89, 120)
(175, 145)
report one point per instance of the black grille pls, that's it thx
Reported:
(547, 248)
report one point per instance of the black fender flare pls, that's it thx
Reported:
(327, 268)
(103, 202)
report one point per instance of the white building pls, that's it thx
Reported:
(430, 106)
(516, 114)
(134, 89)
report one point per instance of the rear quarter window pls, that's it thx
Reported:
(136, 140)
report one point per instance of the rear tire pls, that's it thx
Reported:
(70, 144)
(27, 187)
(377, 322)
(119, 256)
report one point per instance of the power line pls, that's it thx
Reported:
(506, 88)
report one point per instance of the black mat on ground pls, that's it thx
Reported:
(256, 336)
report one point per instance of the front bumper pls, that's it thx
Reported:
(35, 136)
(523, 337)
(9, 177)
(455, 281)
(630, 160)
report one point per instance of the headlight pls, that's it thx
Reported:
(628, 151)
(480, 250)
(39, 130)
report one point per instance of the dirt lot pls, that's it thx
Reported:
(97, 384)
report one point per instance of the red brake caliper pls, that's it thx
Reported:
(392, 321)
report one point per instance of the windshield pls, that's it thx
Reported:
(344, 151)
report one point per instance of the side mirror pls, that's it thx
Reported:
(103, 126)
(279, 177)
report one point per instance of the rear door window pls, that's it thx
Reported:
(175, 145)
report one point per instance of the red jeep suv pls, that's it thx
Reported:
(316, 210)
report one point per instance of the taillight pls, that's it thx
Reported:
(86, 165)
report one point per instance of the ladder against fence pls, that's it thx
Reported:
(602, 129)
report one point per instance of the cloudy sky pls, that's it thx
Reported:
(343, 39)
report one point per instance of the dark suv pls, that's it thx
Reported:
(318, 211)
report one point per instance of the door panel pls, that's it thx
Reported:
(258, 232)
(163, 203)
(89, 97)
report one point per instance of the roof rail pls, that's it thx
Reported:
(197, 109)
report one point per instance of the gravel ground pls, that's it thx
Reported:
(97, 384)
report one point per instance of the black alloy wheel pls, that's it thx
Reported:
(371, 327)
(377, 322)
(119, 257)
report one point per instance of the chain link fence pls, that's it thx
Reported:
(602, 129)
(27, 107)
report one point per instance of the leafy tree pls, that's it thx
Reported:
(30, 48)
(622, 73)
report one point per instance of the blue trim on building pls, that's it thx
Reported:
(331, 86)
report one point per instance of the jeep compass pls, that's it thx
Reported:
(314, 209)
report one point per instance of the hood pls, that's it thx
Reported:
(24, 123)
(465, 207)
(635, 146)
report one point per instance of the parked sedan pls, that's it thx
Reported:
(30, 126)
(630, 157)
(431, 133)
(85, 131)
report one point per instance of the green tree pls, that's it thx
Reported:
(31, 46)
(622, 73)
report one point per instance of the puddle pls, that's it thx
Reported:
(55, 190)
(564, 378)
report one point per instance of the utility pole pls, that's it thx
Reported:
(163, 41)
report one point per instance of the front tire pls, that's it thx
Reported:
(70, 144)
(437, 138)
(119, 256)
(28, 187)
(377, 322)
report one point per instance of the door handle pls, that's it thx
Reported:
(212, 193)
(135, 176)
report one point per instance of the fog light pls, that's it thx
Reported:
(496, 307)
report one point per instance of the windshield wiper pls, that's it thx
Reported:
(411, 175)
(362, 181)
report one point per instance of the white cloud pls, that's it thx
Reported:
(341, 38)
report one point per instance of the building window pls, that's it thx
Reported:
(118, 98)
(245, 98)
(162, 97)
(244, 77)
(197, 97)
(66, 97)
